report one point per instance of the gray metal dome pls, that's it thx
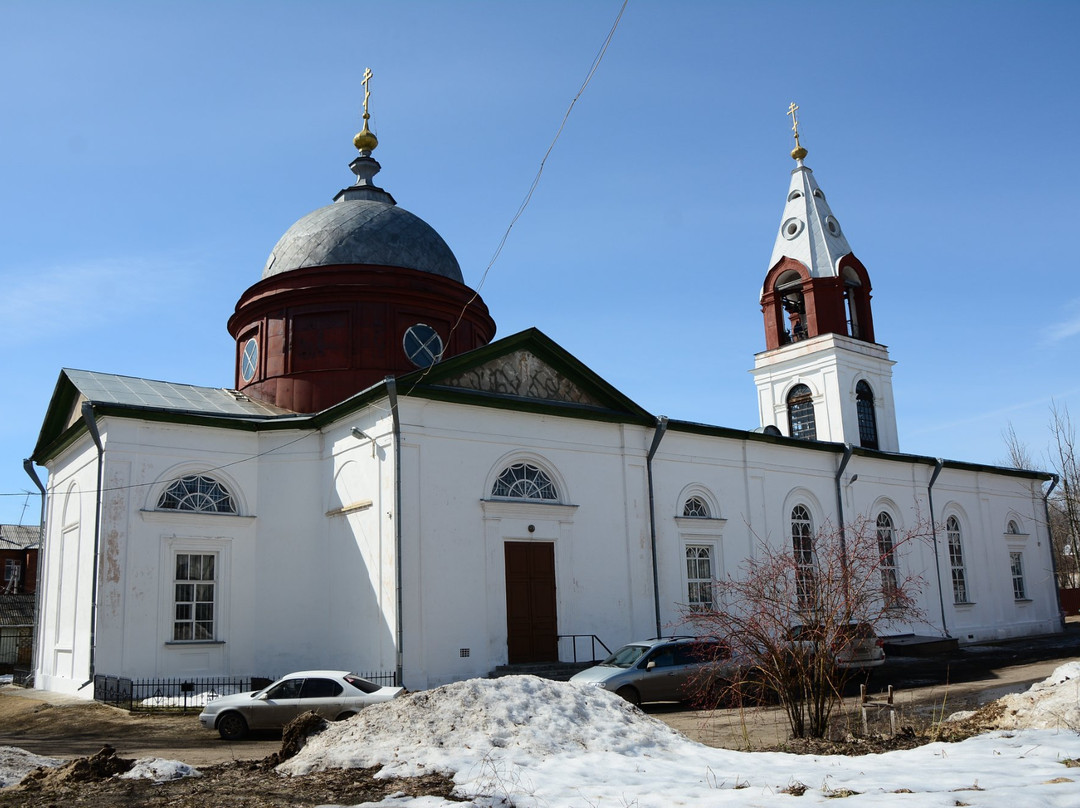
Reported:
(363, 231)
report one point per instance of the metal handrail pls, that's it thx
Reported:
(593, 641)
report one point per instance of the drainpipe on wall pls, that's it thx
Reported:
(938, 463)
(28, 467)
(848, 449)
(391, 392)
(91, 426)
(658, 435)
(1050, 539)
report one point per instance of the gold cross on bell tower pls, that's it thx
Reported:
(798, 152)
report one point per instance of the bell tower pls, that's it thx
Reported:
(822, 375)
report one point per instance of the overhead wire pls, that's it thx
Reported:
(593, 67)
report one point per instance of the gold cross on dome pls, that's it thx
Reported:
(792, 111)
(367, 93)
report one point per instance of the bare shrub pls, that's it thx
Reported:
(788, 612)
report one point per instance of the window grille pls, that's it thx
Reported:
(864, 406)
(194, 589)
(696, 507)
(1016, 562)
(801, 413)
(802, 540)
(699, 577)
(197, 493)
(886, 537)
(524, 481)
(956, 560)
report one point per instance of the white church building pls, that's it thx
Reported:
(384, 487)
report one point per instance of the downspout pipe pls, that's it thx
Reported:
(848, 449)
(95, 435)
(399, 631)
(28, 467)
(938, 464)
(658, 435)
(1054, 479)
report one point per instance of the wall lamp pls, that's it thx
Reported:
(360, 434)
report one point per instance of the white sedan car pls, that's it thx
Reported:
(335, 695)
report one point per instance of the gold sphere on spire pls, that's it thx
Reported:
(365, 139)
(797, 153)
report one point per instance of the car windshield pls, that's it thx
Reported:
(626, 656)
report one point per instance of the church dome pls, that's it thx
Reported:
(363, 231)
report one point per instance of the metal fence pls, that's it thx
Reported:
(186, 694)
(15, 650)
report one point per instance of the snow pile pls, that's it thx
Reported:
(15, 764)
(535, 744)
(523, 715)
(159, 770)
(1053, 703)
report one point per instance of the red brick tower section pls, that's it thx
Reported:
(798, 306)
(325, 333)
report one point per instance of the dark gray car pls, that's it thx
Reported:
(663, 669)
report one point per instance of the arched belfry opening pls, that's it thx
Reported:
(819, 327)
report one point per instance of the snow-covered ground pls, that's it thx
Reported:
(533, 743)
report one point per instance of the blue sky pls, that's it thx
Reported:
(151, 154)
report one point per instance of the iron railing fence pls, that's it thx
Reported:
(187, 693)
(590, 641)
(16, 650)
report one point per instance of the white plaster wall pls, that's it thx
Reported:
(831, 366)
(454, 538)
(63, 631)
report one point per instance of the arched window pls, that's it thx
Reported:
(800, 403)
(886, 539)
(1013, 529)
(524, 481)
(696, 507)
(956, 560)
(864, 405)
(802, 542)
(197, 493)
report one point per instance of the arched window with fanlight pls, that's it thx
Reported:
(864, 406)
(696, 508)
(197, 493)
(524, 481)
(800, 403)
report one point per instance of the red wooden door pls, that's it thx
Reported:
(531, 624)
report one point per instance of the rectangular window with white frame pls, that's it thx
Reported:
(699, 577)
(1016, 564)
(194, 597)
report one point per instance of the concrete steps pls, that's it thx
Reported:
(556, 671)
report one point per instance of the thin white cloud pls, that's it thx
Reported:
(1070, 327)
(57, 301)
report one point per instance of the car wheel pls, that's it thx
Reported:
(232, 727)
(343, 716)
(630, 694)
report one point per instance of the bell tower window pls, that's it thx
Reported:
(793, 301)
(864, 405)
(801, 421)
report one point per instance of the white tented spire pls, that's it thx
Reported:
(809, 232)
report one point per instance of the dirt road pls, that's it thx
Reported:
(927, 690)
